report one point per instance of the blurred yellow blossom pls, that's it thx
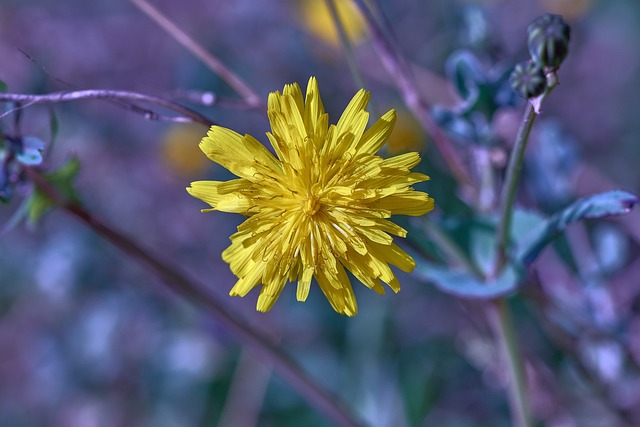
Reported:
(317, 19)
(407, 135)
(569, 9)
(180, 150)
(320, 206)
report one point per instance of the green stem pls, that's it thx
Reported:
(514, 168)
(511, 185)
(498, 311)
(502, 326)
(451, 249)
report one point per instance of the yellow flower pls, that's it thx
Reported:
(319, 206)
(179, 151)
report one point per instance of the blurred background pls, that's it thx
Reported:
(89, 338)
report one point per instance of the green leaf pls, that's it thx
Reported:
(482, 235)
(461, 283)
(530, 234)
(601, 205)
(62, 180)
(481, 243)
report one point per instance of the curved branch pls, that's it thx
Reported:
(187, 114)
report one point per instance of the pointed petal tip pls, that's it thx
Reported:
(265, 302)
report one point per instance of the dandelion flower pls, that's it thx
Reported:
(320, 206)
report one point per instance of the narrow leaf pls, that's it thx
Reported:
(601, 205)
(62, 180)
(460, 283)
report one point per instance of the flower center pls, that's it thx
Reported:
(311, 205)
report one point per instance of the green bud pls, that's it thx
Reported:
(549, 40)
(528, 80)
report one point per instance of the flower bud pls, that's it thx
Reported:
(528, 80)
(549, 40)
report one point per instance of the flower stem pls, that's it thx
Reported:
(502, 326)
(511, 185)
(214, 64)
(199, 294)
(514, 168)
(451, 249)
(497, 311)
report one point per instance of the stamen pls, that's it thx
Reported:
(311, 206)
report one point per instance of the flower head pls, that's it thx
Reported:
(317, 208)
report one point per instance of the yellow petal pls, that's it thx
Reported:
(394, 256)
(222, 196)
(235, 152)
(352, 114)
(269, 294)
(375, 235)
(375, 137)
(412, 203)
(313, 106)
(304, 284)
(248, 281)
(403, 161)
(207, 191)
(293, 91)
(340, 297)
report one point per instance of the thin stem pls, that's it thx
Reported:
(214, 64)
(349, 53)
(514, 168)
(451, 249)
(502, 326)
(246, 393)
(346, 43)
(511, 185)
(398, 68)
(187, 114)
(200, 294)
(498, 312)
